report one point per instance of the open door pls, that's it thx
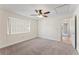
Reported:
(73, 31)
(69, 31)
(77, 33)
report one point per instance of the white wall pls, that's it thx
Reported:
(2, 29)
(6, 40)
(50, 28)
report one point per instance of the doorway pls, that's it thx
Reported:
(69, 31)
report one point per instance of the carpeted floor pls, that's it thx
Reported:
(39, 46)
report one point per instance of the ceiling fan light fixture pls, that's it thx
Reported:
(40, 13)
(40, 16)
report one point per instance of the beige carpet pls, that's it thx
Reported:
(39, 46)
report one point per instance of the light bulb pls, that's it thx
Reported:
(40, 16)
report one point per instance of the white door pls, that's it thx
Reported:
(78, 33)
(72, 30)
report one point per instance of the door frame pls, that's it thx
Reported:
(75, 32)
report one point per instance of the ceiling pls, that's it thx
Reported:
(28, 9)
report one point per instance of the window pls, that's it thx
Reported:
(17, 26)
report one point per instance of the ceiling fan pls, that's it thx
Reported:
(40, 13)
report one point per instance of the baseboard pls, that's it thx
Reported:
(7, 45)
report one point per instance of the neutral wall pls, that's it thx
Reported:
(6, 40)
(50, 28)
(2, 29)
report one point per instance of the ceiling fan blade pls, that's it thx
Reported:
(40, 11)
(45, 16)
(47, 12)
(36, 11)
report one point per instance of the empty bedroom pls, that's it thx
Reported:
(39, 29)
